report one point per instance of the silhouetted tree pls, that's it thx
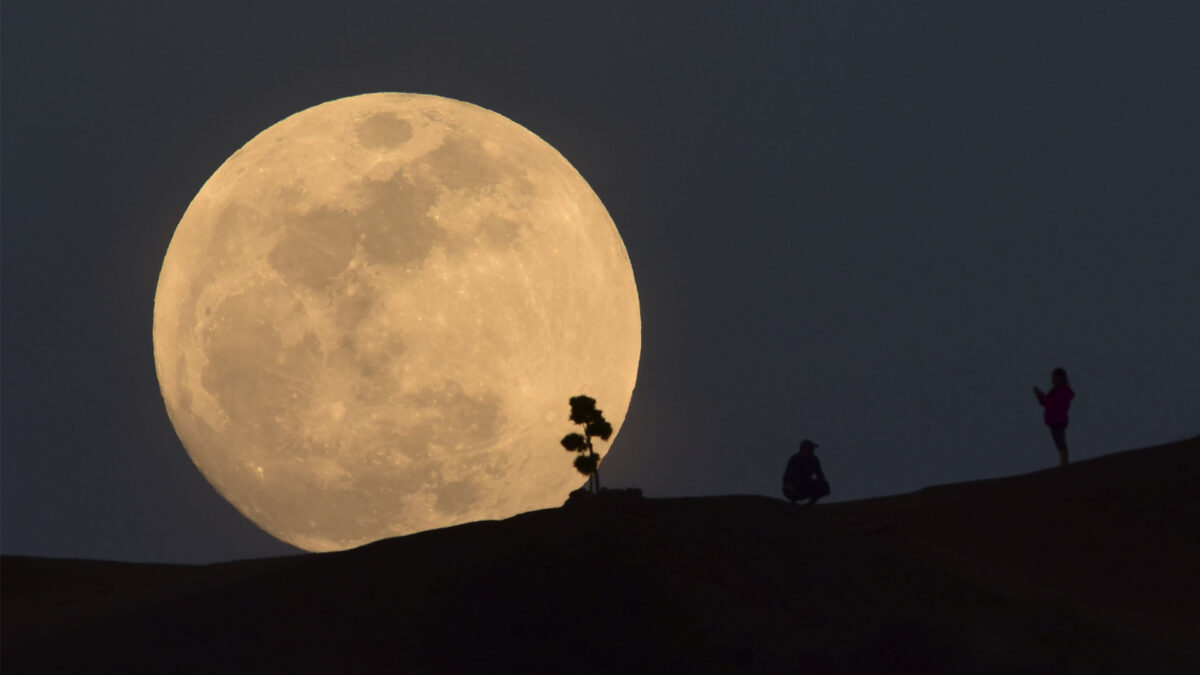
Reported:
(583, 411)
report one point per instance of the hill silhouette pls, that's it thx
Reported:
(1085, 569)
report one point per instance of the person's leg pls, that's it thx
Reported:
(813, 490)
(1059, 434)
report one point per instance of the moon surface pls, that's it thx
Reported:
(371, 318)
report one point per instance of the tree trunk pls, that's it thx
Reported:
(595, 477)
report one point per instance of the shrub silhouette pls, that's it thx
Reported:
(583, 411)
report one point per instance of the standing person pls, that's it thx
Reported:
(1057, 403)
(798, 480)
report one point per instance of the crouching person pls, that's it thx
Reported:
(803, 478)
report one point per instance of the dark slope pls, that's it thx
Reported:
(1114, 539)
(1087, 569)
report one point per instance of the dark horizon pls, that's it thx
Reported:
(876, 227)
(1069, 570)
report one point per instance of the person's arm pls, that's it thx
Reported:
(1040, 396)
(820, 473)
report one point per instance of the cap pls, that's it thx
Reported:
(808, 444)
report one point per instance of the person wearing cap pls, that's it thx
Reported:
(798, 479)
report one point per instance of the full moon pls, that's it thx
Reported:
(370, 320)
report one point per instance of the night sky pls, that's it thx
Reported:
(877, 225)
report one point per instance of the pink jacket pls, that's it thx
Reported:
(1056, 403)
